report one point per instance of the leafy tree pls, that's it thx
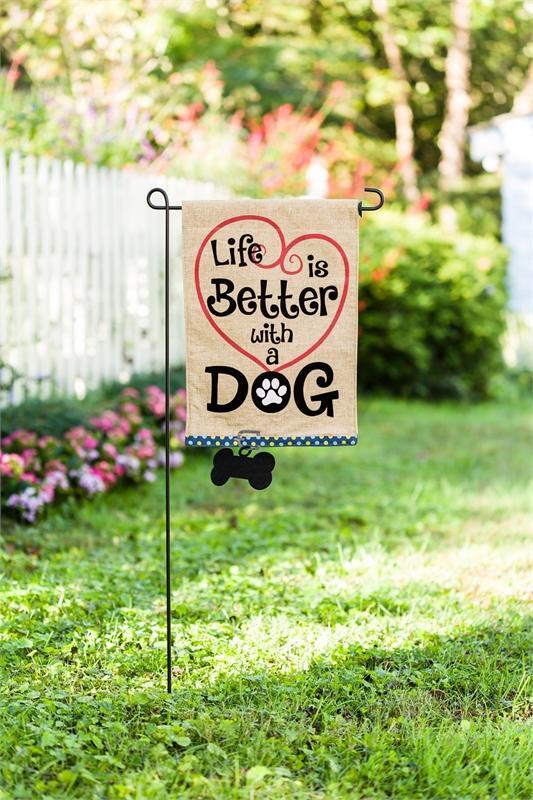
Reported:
(271, 52)
(125, 81)
(403, 113)
(457, 76)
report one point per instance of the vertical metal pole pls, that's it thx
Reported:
(167, 448)
(167, 208)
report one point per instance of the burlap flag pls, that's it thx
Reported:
(271, 322)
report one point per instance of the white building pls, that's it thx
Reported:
(506, 143)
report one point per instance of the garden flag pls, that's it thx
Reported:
(271, 322)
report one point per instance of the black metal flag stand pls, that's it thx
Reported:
(167, 208)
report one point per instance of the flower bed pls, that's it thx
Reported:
(126, 444)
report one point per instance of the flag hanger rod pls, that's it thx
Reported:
(360, 206)
(167, 207)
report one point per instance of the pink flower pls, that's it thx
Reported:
(82, 442)
(110, 450)
(157, 407)
(28, 456)
(146, 451)
(130, 392)
(130, 408)
(11, 465)
(119, 432)
(105, 472)
(155, 400)
(124, 426)
(106, 421)
(132, 412)
(76, 434)
(47, 492)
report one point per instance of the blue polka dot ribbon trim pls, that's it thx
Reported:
(270, 441)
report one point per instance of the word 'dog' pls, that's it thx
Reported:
(271, 391)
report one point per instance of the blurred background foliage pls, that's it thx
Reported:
(268, 85)
(254, 94)
(451, 292)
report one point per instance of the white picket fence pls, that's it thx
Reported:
(81, 274)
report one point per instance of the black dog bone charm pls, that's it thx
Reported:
(257, 470)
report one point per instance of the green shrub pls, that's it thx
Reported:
(54, 416)
(432, 309)
(50, 417)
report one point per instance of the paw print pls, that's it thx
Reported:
(271, 391)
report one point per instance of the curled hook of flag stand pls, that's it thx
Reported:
(361, 207)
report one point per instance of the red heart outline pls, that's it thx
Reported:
(284, 250)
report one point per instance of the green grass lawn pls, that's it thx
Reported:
(358, 630)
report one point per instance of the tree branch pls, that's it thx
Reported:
(403, 114)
